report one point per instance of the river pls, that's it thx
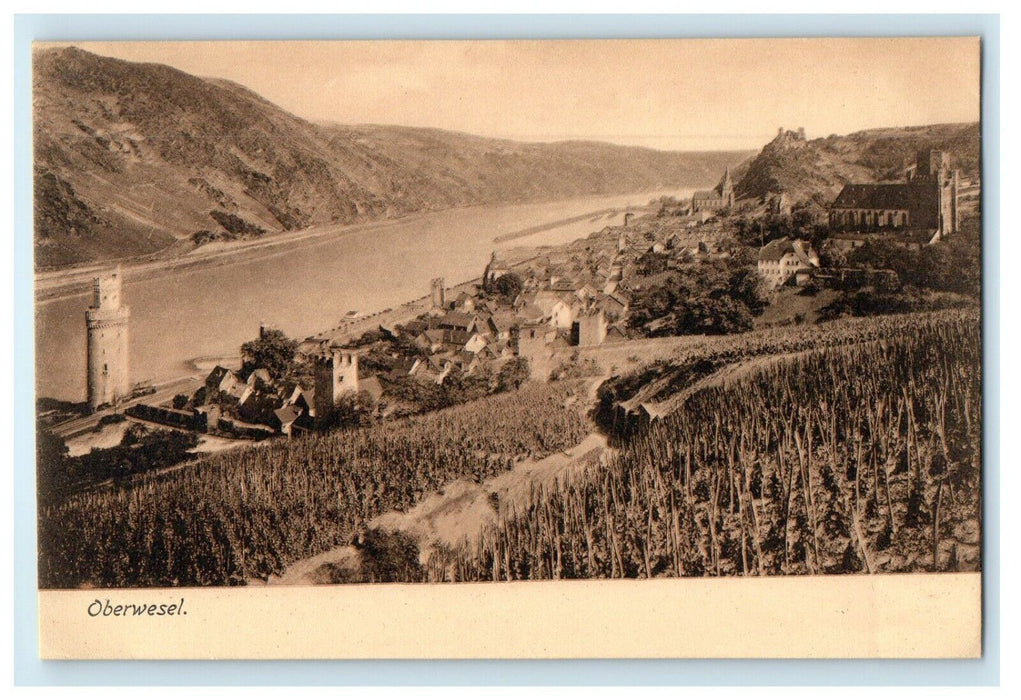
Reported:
(301, 289)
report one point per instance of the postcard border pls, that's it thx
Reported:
(29, 670)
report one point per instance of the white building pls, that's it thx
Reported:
(783, 258)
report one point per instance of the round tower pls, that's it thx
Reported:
(438, 296)
(108, 380)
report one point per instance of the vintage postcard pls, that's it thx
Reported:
(509, 349)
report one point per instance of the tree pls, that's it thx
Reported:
(51, 461)
(513, 374)
(651, 263)
(508, 286)
(272, 350)
(709, 298)
(180, 401)
(748, 287)
(350, 410)
(832, 255)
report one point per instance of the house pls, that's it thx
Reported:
(783, 258)
(910, 240)
(615, 334)
(614, 305)
(563, 284)
(259, 377)
(495, 269)
(501, 324)
(219, 380)
(283, 419)
(458, 321)
(312, 346)
(464, 303)
(257, 408)
(430, 340)
(556, 307)
(475, 343)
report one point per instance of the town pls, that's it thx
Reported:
(532, 310)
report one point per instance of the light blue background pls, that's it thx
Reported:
(29, 670)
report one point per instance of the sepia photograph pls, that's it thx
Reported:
(322, 316)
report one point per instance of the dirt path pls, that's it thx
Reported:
(460, 510)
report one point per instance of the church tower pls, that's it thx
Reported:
(106, 322)
(726, 188)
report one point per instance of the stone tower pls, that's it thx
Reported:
(932, 169)
(336, 373)
(439, 296)
(589, 329)
(106, 322)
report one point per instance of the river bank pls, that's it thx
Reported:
(207, 304)
(51, 285)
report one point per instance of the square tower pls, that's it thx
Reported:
(336, 374)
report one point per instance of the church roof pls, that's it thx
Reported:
(910, 197)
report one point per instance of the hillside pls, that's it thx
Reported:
(135, 159)
(817, 169)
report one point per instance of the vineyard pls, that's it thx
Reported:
(854, 458)
(661, 379)
(246, 514)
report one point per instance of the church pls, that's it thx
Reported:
(926, 201)
(720, 197)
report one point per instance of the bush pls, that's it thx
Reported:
(389, 557)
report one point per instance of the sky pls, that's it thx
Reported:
(686, 94)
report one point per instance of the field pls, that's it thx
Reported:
(848, 459)
(247, 514)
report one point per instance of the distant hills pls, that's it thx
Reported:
(142, 159)
(817, 169)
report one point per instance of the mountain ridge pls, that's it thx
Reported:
(816, 170)
(137, 159)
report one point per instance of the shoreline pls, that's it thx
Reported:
(55, 285)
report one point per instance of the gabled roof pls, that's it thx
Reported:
(217, 375)
(286, 415)
(776, 250)
(434, 335)
(260, 374)
(502, 320)
(456, 319)
(530, 312)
